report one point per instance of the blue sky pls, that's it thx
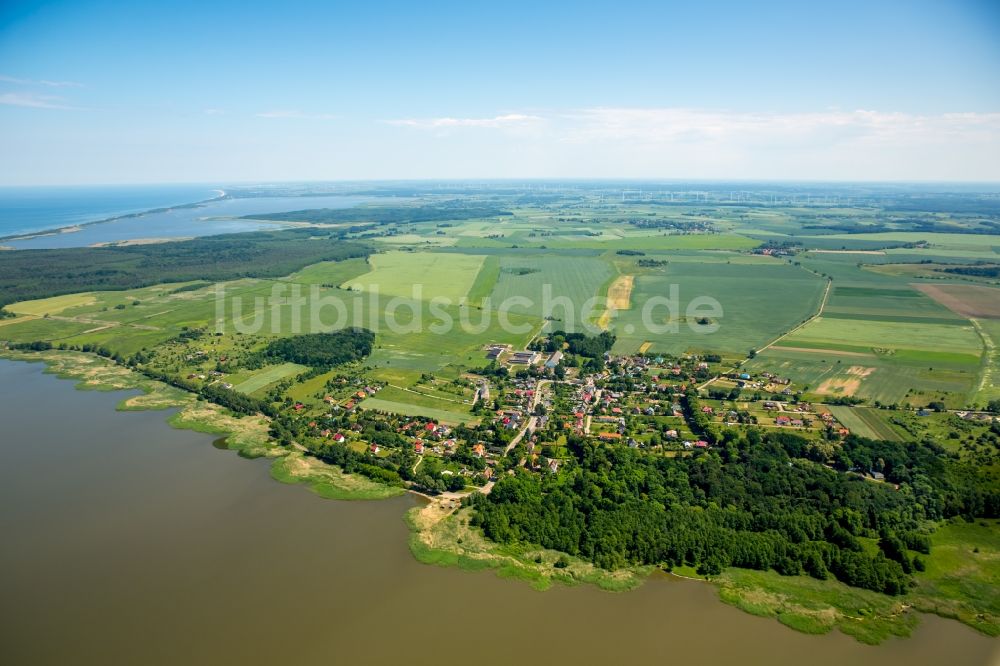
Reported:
(115, 92)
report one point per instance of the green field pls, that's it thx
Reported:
(864, 421)
(864, 335)
(596, 237)
(268, 376)
(759, 302)
(886, 303)
(647, 242)
(400, 356)
(31, 329)
(452, 417)
(426, 396)
(485, 281)
(331, 273)
(574, 278)
(888, 378)
(54, 305)
(937, 241)
(448, 276)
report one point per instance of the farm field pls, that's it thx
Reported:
(936, 241)
(397, 273)
(268, 376)
(965, 299)
(409, 408)
(862, 335)
(602, 240)
(864, 421)
(930, 270)
(422, 397)
(967, 254)
(759, 303)
(486, 280)
(29, 329)
(54, 305)
(896, 378)
(577, 279)
(882, 336)
(330, 273)
(879, 301)
(403, 351)
(659, 243)
(418, 240)
(401, 356)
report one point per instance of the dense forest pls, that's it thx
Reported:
(323, 350)
(386, 214)
(753, 501)
(595, 346)
(30, 274)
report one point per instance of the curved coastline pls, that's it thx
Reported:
(73, 228)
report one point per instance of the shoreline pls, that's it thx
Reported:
(139, 241)
(79, 226)
(441, 534)
(247, 436)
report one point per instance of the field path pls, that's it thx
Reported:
(989, 354)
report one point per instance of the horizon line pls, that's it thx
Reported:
(509, 179)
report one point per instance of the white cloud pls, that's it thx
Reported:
(680, 125)
(861, 144)
(299, 115)
(676, 142)
(33, 101)
(496, 122)
(41, 82)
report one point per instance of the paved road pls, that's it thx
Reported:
(532, 422)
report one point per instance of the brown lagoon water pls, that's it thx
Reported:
(127, 542)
